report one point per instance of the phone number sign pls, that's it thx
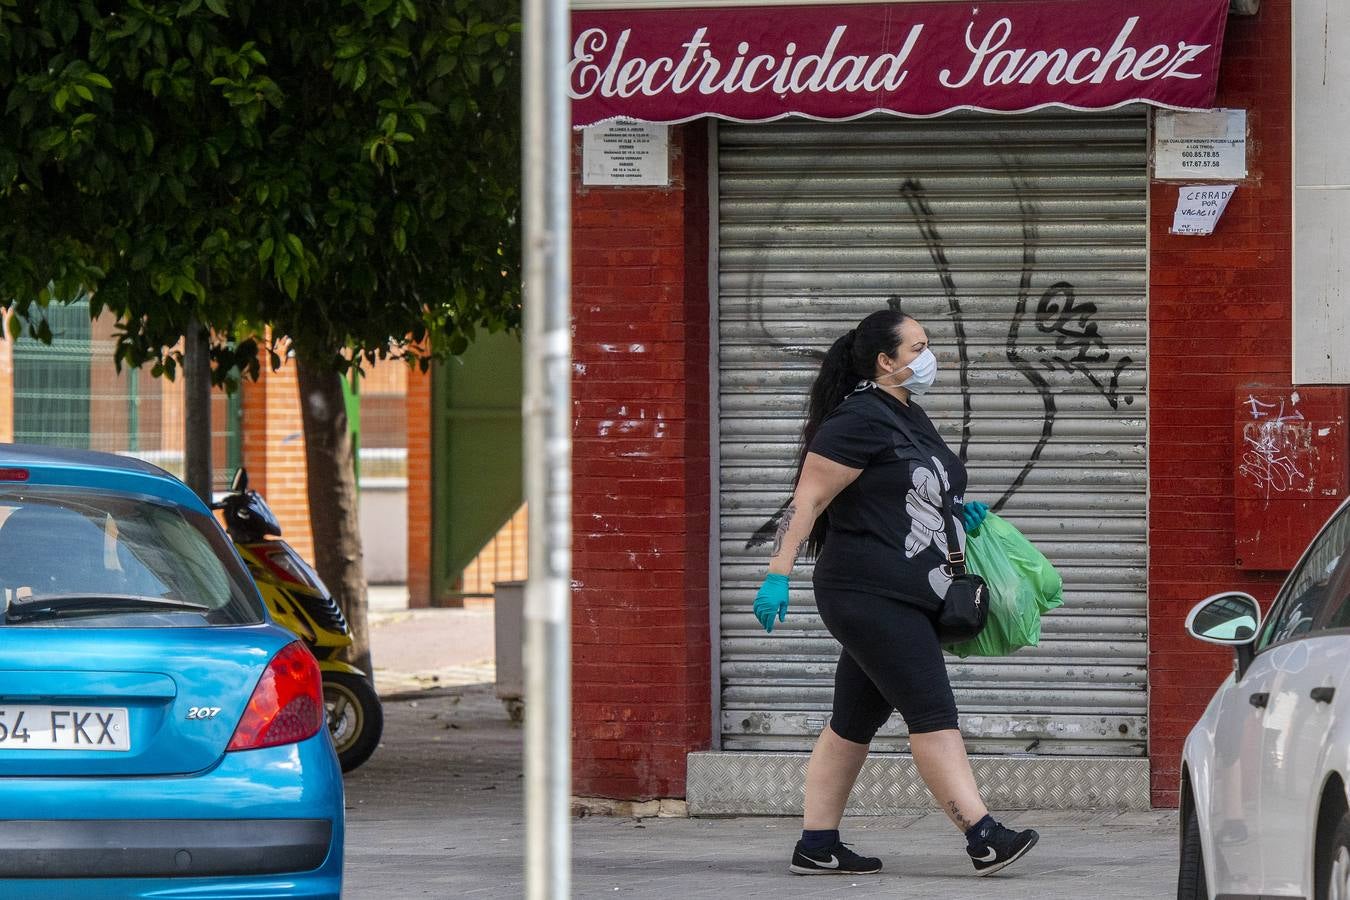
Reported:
(1207, 144)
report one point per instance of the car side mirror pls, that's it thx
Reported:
(1229, 619)
(239, 484)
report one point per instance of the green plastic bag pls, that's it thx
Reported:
(1022, 586)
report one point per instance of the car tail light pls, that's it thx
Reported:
(286, 706)
(13, 474)
(287, 565)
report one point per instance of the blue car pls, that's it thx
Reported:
(158, 736)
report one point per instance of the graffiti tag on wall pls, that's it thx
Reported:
(1279, 456)
(1079, 347)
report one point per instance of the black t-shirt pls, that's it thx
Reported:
(885, 531)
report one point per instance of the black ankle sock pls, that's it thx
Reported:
(980, 830)
(819, 840)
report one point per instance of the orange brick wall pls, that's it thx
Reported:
(389, 376)
(6, 385)
(273, 451)
(419, 488)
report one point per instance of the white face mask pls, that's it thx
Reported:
(924, 369)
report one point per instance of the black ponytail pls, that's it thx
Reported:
(850, 359)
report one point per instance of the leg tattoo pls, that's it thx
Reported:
(959, 819)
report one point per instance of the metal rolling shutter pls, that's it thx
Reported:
(1030, 234)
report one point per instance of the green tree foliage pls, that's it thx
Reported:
(342, 175)
(343, 171)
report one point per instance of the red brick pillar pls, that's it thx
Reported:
(273, 451)
(641, 653)
(419, 413)
(1220, 312)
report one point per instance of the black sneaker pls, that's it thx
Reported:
(836, 860)
(1001, 847)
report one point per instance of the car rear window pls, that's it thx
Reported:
(98, 554)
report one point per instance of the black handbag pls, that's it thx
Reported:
(965, 609)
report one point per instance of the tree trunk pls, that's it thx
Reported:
(332, 498)
(197, 412)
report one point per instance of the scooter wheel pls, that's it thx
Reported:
(355, 717)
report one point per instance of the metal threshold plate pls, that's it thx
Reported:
(770, 784)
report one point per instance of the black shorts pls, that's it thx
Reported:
(891, 660)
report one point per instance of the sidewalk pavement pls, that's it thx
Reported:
(438, 812)
(418, 649)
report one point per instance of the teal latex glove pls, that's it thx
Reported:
(772, 600)
(972, 515)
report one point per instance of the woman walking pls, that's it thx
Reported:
(872, 484)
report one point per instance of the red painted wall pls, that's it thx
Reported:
(1219, 316)
(641, 654)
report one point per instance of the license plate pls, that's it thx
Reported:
(64, 728)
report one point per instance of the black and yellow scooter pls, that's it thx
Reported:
(300, 602)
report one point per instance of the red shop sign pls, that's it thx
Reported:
(755, 64)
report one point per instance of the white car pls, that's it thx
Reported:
(1265, 810)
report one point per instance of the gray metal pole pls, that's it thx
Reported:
(548, 449)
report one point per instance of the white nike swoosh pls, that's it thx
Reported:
(832, 864)
(993, 855)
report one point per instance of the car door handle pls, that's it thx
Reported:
(1323, 694)
(1259, 700)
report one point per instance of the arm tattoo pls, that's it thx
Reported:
(958, 818)
(783, 525)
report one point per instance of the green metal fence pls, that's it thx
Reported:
(477, 447)
(70, 394)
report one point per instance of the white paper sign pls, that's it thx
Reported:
(1208, 144)
(626, 153)
(1199, 207)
